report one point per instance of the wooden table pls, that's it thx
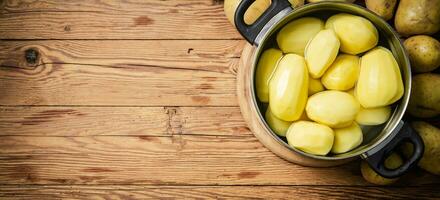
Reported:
(132, 99)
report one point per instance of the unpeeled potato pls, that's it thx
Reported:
(424, 53)
(425, 95)
(348, 1)
(431, 138)
(383, 8)
(333, 108)
(347, 138)
(321, 51)
(251, 15)
(392, 162)
(296, 3)
(310, 137)
(266, 66)
(414, 17)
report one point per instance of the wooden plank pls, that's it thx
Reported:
(91, 121)
(134, 19)
(208, 55)
(216, 192)
(73, 84)
(147, 73)
(167, 160)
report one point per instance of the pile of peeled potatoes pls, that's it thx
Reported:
(328, 77)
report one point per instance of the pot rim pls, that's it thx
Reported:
(393, 124)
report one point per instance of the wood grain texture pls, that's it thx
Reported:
(74, 84)
(216, 192)
(145, 121)
(131, 19)
(164, 160)
(141, 73)
(205, 55)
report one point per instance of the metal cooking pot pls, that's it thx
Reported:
(379, 141)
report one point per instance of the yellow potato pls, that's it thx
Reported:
(296, 3)
(310, 137)
(383, 8)
(347, 138)
(425, 95)
(343, 73)
(351, 92)
(373, 116)
(392, 162)
(415, 17)
(288, 88)
(304, 117)
(380, 82)
(314, 1)
(431, 138)
(333, 108)
(265, 68)
(321, 51)
(294, 36)
(424, 53)
(355, 33)
(315, 86)
(251, 15)
(277, 125)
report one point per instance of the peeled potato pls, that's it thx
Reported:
(310, 137)
(294, 36)
(380, 82)
(392, 162)
(373, 116)
(333, 108)
(277, 125)
(321, 52)
(251, 15)
(288, 88)
(355, 33)
(347, 138)
(265, 68)
(343, 73)
(315, 86)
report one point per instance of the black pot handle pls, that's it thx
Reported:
(377, 159)
(250, 32)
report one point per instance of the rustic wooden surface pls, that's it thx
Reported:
(134, 99)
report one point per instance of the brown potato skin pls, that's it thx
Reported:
(392, 162)
(431, 138)
(383, 8)
(424, 53)
(414, 17)
(425, 95)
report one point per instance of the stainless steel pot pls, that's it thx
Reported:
(379, 141)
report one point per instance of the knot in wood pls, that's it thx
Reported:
(31, 56)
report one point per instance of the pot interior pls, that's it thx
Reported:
(373, 135)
